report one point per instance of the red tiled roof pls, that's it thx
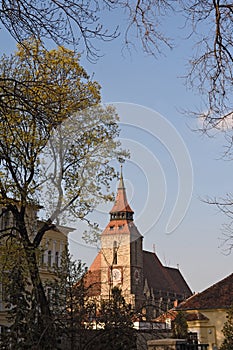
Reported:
(171, 314)
(96, 263)
(162, 278)
(218, 296)
(92, 279)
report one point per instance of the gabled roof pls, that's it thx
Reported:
(164, 279)
(218, 296)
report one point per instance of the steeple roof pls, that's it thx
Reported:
(121, 215)
(121, 204)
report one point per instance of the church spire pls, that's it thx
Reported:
(121, 209)
(121, 182)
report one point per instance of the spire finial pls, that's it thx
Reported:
(121, 182)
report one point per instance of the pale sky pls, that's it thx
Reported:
(160, 148)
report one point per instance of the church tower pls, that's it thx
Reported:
(123, 263)
(121, 252)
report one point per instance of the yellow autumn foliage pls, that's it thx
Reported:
(39, 89)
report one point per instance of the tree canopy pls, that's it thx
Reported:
(77, 167)
(180, 326)
(42, 90)
(46, 88)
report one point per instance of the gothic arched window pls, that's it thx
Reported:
(114, 253)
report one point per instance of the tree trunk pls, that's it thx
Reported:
(45, 320)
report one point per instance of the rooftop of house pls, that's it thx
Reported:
(190, 316)
(218, 296)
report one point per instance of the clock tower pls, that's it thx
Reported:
(121, 252)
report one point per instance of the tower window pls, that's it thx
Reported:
(136, 252)
(129, 216)
(114, 253)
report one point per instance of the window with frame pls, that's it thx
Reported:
(57, 259)
(49, 258)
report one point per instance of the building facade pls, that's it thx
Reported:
(50, 252)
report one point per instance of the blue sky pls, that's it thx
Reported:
(151, 175)
(155, 84)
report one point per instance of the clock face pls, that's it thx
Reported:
(116, 275)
